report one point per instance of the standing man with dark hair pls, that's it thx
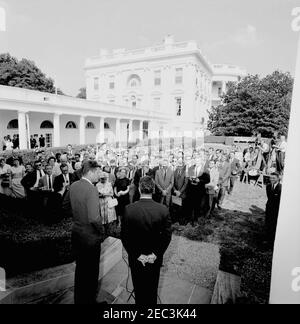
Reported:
(42, 141)
(87, 233)
(164, 180)
(273, 204)
(146, 234)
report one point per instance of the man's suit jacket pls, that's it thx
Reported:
(224, 174)
(43, 182)
(30, 179)
(146, 229)
(235, 166)
(273, 202)
(180, 181)
(59, 181)
(84, 200)
(164, 182)
(138, 176)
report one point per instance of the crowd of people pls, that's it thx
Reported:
(191, 182)
(9, 144)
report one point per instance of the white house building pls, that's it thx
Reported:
(65, 120)
(174, 78)
(164, 90)
(222, 75)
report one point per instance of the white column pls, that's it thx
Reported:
(150, 134)
(141, 132)
(130, 131)
(102, 130)
(22, 130)
(56, 130)
(118, 130)
(82, 130)
(223, 87)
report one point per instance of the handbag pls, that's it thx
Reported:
(5, 183)
(177, 201)
(112, 203)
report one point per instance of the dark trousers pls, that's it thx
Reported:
(145, 282)
(87, 258)
(195, 206)
(271, 223)
(210, 204)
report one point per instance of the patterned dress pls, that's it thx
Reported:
(108, 214)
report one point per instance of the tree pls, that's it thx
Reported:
(82, 93)
(24, 74)
(254, 105)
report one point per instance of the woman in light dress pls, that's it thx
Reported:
(106, 194)
(9, 145)
(5, 178)
(17, 174)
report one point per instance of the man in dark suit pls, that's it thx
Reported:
(146, 235)
(30, 182)
(62, 182)
(87, 233)
(179, 190)
(272, 207)
(139, 174)
(31, 179)
(196, 196)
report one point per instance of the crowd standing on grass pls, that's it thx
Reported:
(192, 182)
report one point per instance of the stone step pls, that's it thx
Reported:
(40, 284)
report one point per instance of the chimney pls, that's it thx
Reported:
(169, 40)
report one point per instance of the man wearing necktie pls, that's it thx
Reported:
(164, 180)
(46, 181)
(139, 174)
(62, 182)
(272, 208)
(132, 171)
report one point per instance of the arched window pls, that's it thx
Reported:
(90, 125)
(71, 125)
(134, 81)
(46, 124)
(13, 124)
(106, 126)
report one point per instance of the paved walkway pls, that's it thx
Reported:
(187, 277)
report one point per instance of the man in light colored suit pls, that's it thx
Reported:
(164, 180)
(224, 176)
(87, 233)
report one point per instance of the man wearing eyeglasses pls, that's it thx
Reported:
(32, 179)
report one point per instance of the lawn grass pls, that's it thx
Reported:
(239, 231)
(27, 245)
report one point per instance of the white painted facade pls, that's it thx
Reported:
(93, 122)
(160, 91)
(223, 74)
(169, 77)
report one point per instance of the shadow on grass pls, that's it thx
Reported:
(243, 249)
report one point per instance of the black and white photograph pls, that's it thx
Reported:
(149, 154)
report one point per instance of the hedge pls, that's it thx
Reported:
(30, 155)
